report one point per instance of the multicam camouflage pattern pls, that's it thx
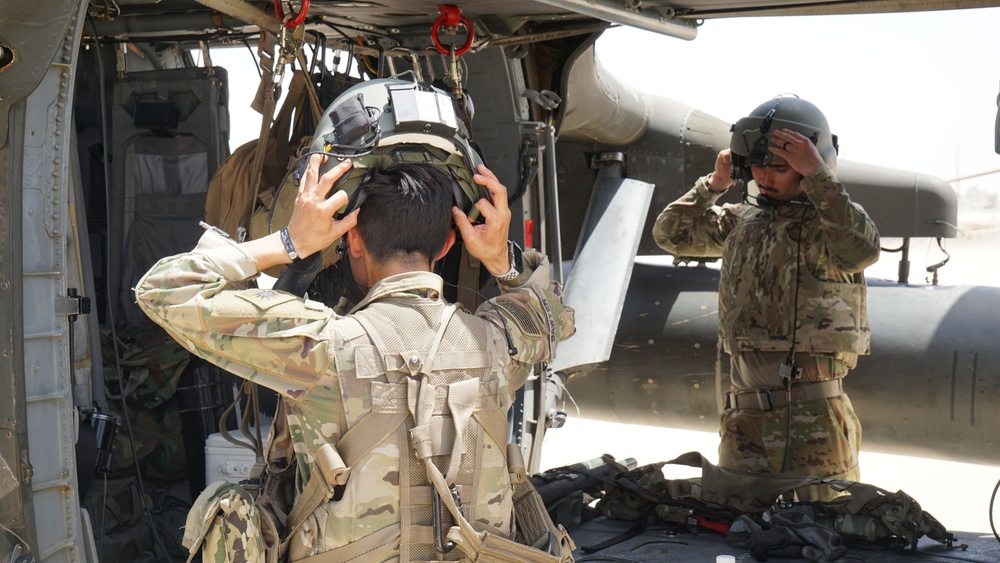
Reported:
(869, 513)
(823, 249)
(826, 433)
(311, 356)
(824, 442)
(225, 525)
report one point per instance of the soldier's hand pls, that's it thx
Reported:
(487, 241)
(721, 179)
(312, 226)
(798, 151)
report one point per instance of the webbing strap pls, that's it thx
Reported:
(332, 471)
(420, 495)
(769, 399)
(373, 547)
(461, 403)
(421, 534)
(267, 113)
(443, 361)
(367, 433)
(446, 316)
(494, 423)
(420, 395)
(468, 278)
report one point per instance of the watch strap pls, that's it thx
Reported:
(511, 274)
(514, 257)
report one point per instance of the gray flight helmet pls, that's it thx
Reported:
(382, 121)
(752, 134)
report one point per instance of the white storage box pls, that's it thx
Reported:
(224, 460)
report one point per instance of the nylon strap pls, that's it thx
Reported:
(373, 547)
(258, 163)
(769, 399)
(367, 433)
(461, 403)
(468, 279)
(332, 472)
(443, 361)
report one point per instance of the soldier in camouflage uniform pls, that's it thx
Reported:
(803, 239)
(335, 372)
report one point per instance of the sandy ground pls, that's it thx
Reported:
(958, 494)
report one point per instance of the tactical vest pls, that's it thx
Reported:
(426, 446)
(763, 263)
(421, 470)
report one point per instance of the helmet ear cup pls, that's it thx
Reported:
(357, 196)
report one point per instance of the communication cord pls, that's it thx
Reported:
(788, 369)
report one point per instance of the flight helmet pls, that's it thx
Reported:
(752, 134)
(384, 121)
(377, 123)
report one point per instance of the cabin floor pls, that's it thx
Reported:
(664, 542)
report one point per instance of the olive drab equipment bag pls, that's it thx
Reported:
(863, 514)
(235, 194)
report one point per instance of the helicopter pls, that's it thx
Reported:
(98, 97)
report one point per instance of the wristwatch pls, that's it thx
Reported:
(286, 240)
(516, 265)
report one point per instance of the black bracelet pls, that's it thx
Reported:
(286, 240)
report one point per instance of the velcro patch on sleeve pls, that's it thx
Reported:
(265, 299)
(264, 303)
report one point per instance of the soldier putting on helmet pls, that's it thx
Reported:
(398, 409)
(792, 313)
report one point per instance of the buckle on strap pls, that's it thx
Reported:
(764, 400)
(770, 399)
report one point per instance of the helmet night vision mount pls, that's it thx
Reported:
(752, 135)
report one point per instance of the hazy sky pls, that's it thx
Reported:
(914, 91)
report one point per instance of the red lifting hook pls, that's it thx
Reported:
(451, 16)
(299, 17)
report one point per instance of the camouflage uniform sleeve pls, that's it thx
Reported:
(269, 337)
(851, 237)
(693, 226)
(531, 311)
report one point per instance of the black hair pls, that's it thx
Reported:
(406, 211)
